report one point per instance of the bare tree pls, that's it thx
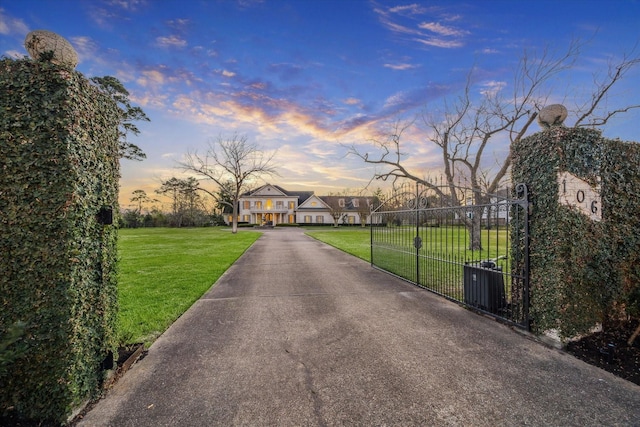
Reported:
(464, 132)
(337, 204)
(590, 116)
(364, 210)
(366, 203)
(231, 164)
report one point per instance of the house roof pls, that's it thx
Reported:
(349, 205)
(307, 204)
(301, 195)
(304, 196)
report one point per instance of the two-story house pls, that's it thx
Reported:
(273, 205)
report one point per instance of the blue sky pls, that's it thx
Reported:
(309, 78)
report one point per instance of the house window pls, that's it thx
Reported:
(245, 218)
(320, 219)
(246, 204)
(341, 203)
(269, 204)
(292, 205)
(307, 219)
(351, 219)
(355, 202)
(279, 204)
(258, 204)
(291, 220)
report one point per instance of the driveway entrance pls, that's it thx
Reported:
(297, 333)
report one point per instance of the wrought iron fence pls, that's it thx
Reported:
(467, 246)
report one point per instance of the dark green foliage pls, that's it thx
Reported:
(128, 115)
(59, 151)
(8, 350)
(582, 271)
(621, 199)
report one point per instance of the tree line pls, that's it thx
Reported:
(188, 207)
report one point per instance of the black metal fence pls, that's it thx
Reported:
(466, 246)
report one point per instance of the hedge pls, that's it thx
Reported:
(582, 272)
(58, 186)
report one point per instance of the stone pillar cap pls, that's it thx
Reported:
(42, 41)
(552, 115)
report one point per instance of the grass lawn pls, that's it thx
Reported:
(444, 241)
(163, 271)
(353, 240)
(442, 256)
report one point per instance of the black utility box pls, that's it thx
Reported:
(484, 286)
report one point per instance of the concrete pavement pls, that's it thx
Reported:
(297, 333)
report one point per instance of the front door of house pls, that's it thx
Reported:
(268, 218)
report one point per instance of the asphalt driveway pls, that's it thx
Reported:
(297, 333)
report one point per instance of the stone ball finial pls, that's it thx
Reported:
(40, 42)
(552, 115)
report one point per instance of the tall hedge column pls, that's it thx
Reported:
(58, 191)
(584, 240)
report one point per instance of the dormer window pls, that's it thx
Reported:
(355, 202)
(341, 203)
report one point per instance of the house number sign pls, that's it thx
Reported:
(572, 191)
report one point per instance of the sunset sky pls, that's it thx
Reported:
(310, 78)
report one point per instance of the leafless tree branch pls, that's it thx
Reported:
(616, 73)
(230, 163)
(469, 126)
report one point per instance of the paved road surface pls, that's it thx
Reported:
(297, 333)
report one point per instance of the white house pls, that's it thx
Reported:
(273, 205)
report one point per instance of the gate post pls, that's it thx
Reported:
(58, 195)
(584, 254)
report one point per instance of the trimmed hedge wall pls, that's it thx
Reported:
(58, 184)
(581, 271)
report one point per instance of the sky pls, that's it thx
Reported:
(308, 79)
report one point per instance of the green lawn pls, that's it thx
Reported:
(163, 271)
(353, 240)
(442, 256)
(442, 242)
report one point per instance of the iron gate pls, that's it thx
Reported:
(467, 246)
